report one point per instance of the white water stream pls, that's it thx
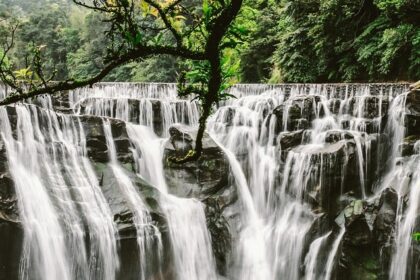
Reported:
(62, 206)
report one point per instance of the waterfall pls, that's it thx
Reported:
(333, 254)
(251, 255)
(190, 240)
(186, 220)
(312, 256)
(246, 128)
(59, 198)
(403, 175)
(89, 166)
(408, 185)
(146, 232)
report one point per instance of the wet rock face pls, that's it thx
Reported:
(96, 145)
(334, 136)
(198, 179)
(11, 233)
(409, 145)
(366, 245)
(207, 180)
(300, 111)
(288, 141)
(61, 102)
(148, 111)
(220, 233)
(412, 116)
(331, 169)
(123, 218)
(368, 107)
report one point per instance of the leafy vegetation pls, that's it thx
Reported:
(205, 46)
(287, 41)
(203, 34)
(342, 40)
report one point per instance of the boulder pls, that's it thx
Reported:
(198, 179)
(367, 242)
(333, 136)
(288, 141)
(358, 231)
(337, 164)
(334, 105)
(219, 229)
(206, 179)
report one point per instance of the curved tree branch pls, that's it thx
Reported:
(139, 52)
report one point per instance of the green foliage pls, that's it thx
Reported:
(155, 69)
(58, 41)
(341, 40)
(271, 41)
(262, 22)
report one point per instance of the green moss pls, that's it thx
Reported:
(364, 265)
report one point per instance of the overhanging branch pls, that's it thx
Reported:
(139, 52)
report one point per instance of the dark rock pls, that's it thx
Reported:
(300, 111)
(11, 232)
(334, 136)
(61, 102)
(345, 124)
(288, 141)
(220, 234)
(97, 148)
(385, 216)
(227, 115)
(11, 236)
(206, 179)
(412, 116)
(373, 106)
(358, 231)
(334, 105)
(407, 148)
(123, 217)
(198, 179)
(8, 200)
(369, 126)
(367, 243)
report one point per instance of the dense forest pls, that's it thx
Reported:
(286, 41)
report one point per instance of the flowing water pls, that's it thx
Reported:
(291, 149)
(190, 240)
(146, 232)
(61, 204)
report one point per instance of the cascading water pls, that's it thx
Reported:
(306, 161)
(312, 256)
(190, 240)
(246, 127)
(60, 202)
(146, 232)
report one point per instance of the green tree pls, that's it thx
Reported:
(342, 40)
(137, 29)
